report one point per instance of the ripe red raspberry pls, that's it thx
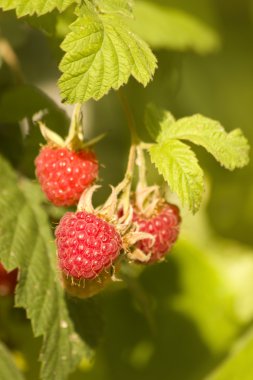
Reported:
(64, 174)
(86, 244)
(8, 281)
(164, 226)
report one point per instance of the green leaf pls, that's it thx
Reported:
(238, 365)
(8, 369)
(30, 7)
(11, 142)
(123, 7)
(46, 23)
(164, 27)
(197, 265)
(230, 149)
(179, 167)
(27, 243)
(156, 120)
(89, 311)
(101, 54)
(13, 30)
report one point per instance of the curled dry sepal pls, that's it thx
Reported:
(65, 168)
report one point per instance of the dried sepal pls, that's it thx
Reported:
(85, 202)
(134, 236)
(139, 256)
(125, 221)
(147, 199)
(51, 137)
(75, 137)
(109, 208)
(94, 141)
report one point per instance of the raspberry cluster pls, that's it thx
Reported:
(89, 241)
(64, 174)
(86, 244)
(163, 226)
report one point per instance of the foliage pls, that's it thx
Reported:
(239, 361)
(191, 316)
(30, 7)
(26, 244)
(175, 160)
(105, 52)
(8, 369)
(179, 167)
(177, 29)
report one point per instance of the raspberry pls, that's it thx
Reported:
(164, 226)
(64, 174)
(87, 245)
(8, 281)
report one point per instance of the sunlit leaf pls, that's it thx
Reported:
(101, 54)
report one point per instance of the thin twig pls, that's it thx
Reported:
(129, 116)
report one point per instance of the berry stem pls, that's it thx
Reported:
(125, 185)
(129, 116)
(141, 163)
(75, 135)
(123, 189)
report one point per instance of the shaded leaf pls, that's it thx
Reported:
(164, 27)
(27, 243)
(11, 142)
(8, 369)
(22, 102)
(238, 364)
(87, 310)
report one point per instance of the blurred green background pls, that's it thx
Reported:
(189, 318)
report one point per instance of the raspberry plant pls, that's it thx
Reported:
(102, 47)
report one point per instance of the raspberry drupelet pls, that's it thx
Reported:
(64, 174)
